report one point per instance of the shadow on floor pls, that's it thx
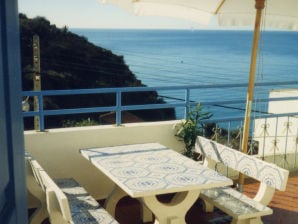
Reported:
(128, 212)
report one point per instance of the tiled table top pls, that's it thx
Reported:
(151, 169)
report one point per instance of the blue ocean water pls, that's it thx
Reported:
(191, 57)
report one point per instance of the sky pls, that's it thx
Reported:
(92, 14)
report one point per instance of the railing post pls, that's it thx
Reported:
(229, 134)
(275, 140)
(265, 127)
(40, 111)
(36, 79)
(118, 106)
(187, 103)
(287, 125)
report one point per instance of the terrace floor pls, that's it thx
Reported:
(284, 205)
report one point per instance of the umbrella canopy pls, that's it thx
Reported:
(278, 14)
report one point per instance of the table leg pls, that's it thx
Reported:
(111, 202)
(146, 213)
(115, 196)
(175, 211)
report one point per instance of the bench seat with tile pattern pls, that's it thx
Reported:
(62, 200)
(242, 209)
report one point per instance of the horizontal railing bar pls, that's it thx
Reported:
(30, 113)
(102, 109)
(270, 115)
(70, 92)
(79, 111)
(152, 106)
(141, 107)
(225, 119)
(141, 89)
(232, 85)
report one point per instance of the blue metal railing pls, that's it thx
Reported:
(184, 102)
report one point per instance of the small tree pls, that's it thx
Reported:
(188, 130)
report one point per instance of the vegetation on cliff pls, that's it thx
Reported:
(69, 61)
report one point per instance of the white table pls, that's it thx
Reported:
(143, 171)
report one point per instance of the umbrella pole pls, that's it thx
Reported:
(260, 4)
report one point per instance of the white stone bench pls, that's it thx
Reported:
(241, 208)
(62, 200)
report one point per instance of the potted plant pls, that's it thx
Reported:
(188, 130)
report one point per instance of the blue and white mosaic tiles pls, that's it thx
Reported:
(151, 168)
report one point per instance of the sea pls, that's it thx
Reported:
(204, 57)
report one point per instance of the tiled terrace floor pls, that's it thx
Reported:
(284, 204)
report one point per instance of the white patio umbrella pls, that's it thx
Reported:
(281, 14)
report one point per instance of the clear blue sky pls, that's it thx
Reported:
(92, 14)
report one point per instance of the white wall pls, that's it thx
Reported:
(287, 106)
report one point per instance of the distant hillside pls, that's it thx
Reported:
(69, 61)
